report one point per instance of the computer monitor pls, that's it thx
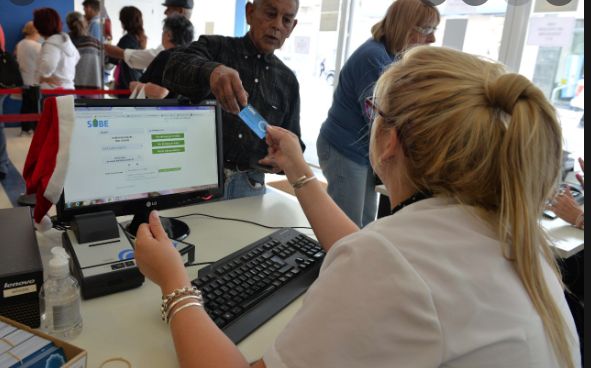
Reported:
(132, 156)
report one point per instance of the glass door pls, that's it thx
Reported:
(311, 53)
(553, 58)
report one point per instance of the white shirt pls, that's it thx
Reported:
(426, 287)
(58, 59)
(140, 58)
(27, 56)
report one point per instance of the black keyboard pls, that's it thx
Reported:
(248, 287)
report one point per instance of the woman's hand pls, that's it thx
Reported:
(565, 206)
(157, 258)
(284, 152)
(51, 80)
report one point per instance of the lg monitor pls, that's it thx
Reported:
(132, 156)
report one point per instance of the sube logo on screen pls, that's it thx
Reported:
(96, 123)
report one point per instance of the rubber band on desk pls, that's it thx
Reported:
(117, 359)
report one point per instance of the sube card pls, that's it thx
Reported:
(254, 120)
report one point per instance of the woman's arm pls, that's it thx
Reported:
(329, 222)
(198, 341)
(48, 60)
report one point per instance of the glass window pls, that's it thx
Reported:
(553, 58)
(311, 53)
(473, 29)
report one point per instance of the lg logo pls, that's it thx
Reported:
(511, 2)
(151, 204)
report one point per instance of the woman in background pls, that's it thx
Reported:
(88, 69)
(343, 142)
(134, 38)
(58, 59)
(459, 275)
(27, 53)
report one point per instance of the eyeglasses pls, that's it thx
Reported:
(371, 109)
(425, 31)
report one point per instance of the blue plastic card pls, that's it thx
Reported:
(254, 120)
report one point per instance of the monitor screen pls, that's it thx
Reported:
(131, 155)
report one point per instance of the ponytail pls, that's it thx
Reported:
(531, 145)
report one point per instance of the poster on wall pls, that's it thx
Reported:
(551, 31)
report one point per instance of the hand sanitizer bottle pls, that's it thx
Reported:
(60, 298)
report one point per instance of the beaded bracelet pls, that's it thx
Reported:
(301, 181)
(174, 297)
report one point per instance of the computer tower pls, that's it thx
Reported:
(21, 269)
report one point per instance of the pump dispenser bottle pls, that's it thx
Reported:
(60, 298)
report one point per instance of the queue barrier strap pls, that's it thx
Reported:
(8, 91)
(16, 118)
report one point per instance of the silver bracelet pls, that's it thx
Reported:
(301, 181)
(166, 317)
(193, 304)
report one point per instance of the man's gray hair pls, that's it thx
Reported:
(296, 1)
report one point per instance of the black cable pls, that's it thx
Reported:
(240, 220)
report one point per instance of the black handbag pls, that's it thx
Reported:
(10, 74)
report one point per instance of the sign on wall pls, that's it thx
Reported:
(551, 31)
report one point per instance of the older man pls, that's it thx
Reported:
(141, 58)
(241, 70)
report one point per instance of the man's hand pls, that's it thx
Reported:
(226, 86)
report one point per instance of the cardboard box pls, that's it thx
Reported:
(76, 356)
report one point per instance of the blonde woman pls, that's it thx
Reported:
(27, 54)
(460, 275)
(343, 142)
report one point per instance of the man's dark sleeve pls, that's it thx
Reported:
(155, 70)
(293, 119)
(189, 68)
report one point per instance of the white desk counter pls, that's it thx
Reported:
(567, 239)
(128, 325)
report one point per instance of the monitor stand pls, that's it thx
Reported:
(175, 229)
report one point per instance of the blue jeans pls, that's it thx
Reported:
(350, 185)
(240, 184)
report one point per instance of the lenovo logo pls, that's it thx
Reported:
(9, 285)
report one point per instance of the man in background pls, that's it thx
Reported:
(140, 59)
(92, 10)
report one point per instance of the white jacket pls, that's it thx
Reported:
(58, 58)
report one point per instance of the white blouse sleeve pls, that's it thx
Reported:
(368, 308)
